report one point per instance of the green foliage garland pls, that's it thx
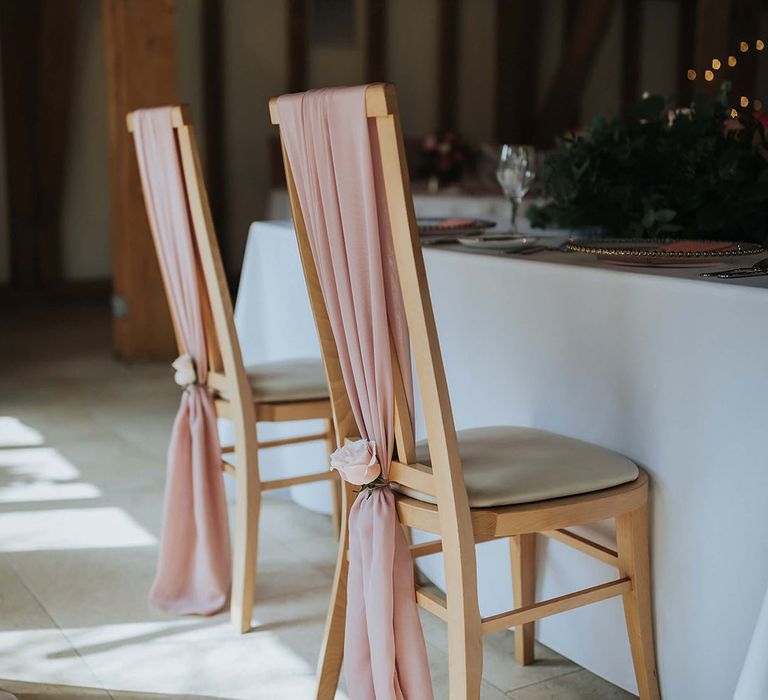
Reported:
(686, 174)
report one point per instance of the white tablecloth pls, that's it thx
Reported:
(445, 203)
(670, 371)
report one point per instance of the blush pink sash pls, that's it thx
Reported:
(194, 570)
(333, 153)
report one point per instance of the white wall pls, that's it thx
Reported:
(256, 69)
(477, 70)
(658, 50)
(85, 225)
(86, 233)
(412, 30)
(334, 65)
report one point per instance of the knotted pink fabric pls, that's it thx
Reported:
(194, 570)
(333, 152)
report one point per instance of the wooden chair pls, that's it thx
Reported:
(272, 392)
(432, 493)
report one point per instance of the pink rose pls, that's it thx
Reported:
(356, 462)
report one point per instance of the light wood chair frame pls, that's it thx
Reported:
(460, 527)
(228, 381)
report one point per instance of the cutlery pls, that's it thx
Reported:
(537, 249)
(759, 268)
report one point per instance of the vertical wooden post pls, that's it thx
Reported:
(18, 32)
(140, 52)
(376, 47)
(448, 64)
(686, 50)
(578, 56)
(517, 58)
(38, 64)
(297, 45)
(630, 55)
(571, 12)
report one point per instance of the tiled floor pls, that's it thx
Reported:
(82, 444)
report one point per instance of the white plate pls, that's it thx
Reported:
(506, 243)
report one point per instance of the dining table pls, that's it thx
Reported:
(658, 363)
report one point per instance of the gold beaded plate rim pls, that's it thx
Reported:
(603, 247)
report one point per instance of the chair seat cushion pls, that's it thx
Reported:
(507, 465)
(288, 380)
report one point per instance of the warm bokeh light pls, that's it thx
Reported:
(744, 101)
(759, 45)
(709, 75)
(691, 74)
(716, 63)
(734, 114)
(731, 61)
(743, 47)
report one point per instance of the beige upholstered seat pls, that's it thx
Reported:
(506, 465)
(288, 380)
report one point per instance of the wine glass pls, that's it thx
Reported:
(515, 172)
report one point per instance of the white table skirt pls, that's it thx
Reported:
(671, 372)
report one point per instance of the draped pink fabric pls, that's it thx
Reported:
(333, 153)
(194, 569)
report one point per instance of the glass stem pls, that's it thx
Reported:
(515, 205)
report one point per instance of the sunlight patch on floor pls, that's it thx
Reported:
(40, 474)
(73, 528)
(14, 433)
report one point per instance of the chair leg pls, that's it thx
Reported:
(246, 536)
(632, 541)
(332, 651)
(522, 554)
(465, 642)
(334, 483)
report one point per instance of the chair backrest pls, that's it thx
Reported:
(226, 372)
(445, 480)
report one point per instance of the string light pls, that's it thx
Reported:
(717, 64)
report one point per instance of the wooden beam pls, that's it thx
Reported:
(215, 115)
(376, 45)
(631, 31)
(297, 45)
(19, 23)
(712, 32)
(578, 56)
(55, 74)
(448, 61)
(571, 11)
(518, 35)
(38, 64)
(593, 549)
(140, 53)
(536, 611)
(686, 50)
